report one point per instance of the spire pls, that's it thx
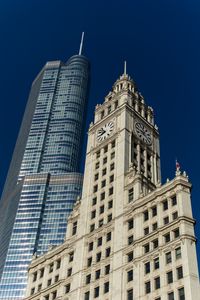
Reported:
(81, 44)
(125, 67)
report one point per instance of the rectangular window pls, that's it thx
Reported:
(130, 239)
(178, 252)
(95, 188)
(130, 195)
(101, 223)
(96, 292)
(58, 263)
(165, 205)
(113, 144)
(106, 287)
(156, 263)
(67, 288)
(130, 294)
(112, 166)
(32, 291)
(110, 204)
(157, 283)
(90, 246)
(34, 276)
(107, 253)
(94, 201)
(109, 218)
(74, 228)
(97, 165)
(98, 257)
(105, 160)
(41, 272)
(146, 230)
(179, 272)
(176, 233)
(71, 256)
(171, 296)
(112, 155)
(69, 272)
(99, 242)
(146, 248)
(92, 227)
(96, 176)
(147, 287)
(111, 178)
(87, 296)
(130, 256)
(154, 226)
(97, 274)
(166, 220)
(54, 295)
(147, 267)
(107, 269)
(104, 172)
(169, 277)
(105, 149)
(181, 294)
(175, 215)
(89, 262)
(174, 201)
(167, 238)
(168, 257)
(154, 211)
(102, 197)
(48, 282)
(101, 209)
(39, 287)
(130, 275)
(56, 278)
(110, 191)
(155, 243)
(98, 154)
(146, 215)
(51, 268)
(93, 214)
(108, 237)
(130, 224)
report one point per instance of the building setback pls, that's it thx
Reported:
(129, 237)
(43, 181)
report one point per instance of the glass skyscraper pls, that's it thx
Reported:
(43, 180)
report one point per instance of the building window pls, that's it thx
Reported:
(171, 296)
(130, 294)
(174, 201)
(74, 228)
(71, 256)
(181, 294)
(101, 209)
(169, 277)
(105, 160)
(130, 275)
(110, 204)
(154, 226)
(87, 296)
(69, 272)
(130, 256)
(51, 268)
(101, 223)
(146, 215)
(46, 297)
(109, 218)
(147, 287)
(96, 292)
(146, 248)
(90, 246)
(92, 227)
(54, 295)
(98, 154)
(98, 257)
(103, 183)
(116, 104)
(176, 233)
(112, 178)
(94, 201)
(105, 149)
(96, 176)
(67, 288)
(109, 109)
(102, 197)
(154, 211)
(108, 250)
(179, 272)
(130, 195)
(167, 238)
(175, 215)
(166, 220)
(104, 171)
(108, 237)
(56, 278)
(168, 257)
(99, 242)
(112, 155)
(106, 287)
(107, 269)
(97, 274)
(112, 166)
(130, 239)
(89, 262)
(39, 287)
(49, 282)
(156, 263)
(155, 243)
(146, 230)
(147, 267)
(102, 114)
(93, 214)
(165, 205)
(157, 283)
(97, 165)
(95, 188)
(130, 224)
(178, 252)
(113, 144)
(110, 191)
(32, 291)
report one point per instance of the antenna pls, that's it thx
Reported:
(81, 44)
(125, 67)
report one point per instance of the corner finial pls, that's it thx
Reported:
(81, 44)
(125, 67)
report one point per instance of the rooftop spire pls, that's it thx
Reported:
(81, 44)
(125, 67)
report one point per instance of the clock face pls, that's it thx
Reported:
(143, 133)
(105, 131)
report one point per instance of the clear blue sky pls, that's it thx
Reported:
(160, 41)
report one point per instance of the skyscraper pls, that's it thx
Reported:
(130, 237)
(43, 181)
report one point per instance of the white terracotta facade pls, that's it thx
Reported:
(129, 237)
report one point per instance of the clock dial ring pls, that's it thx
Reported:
(105, 131)
(143, 133)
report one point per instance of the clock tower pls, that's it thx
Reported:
(126, 118)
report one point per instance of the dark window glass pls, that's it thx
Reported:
(67, 288)
(157, 283)
(156, 263)
(89, 261)
(176, 233)
(69, 272)
(101, 209)
(167, 238)
(179, 271)
(146, 248)
(169, 277)
(181, 294)
(154, 211)
(92, 227)
(87, 296)
(147, 267)
(174, 201)
(130, 239)
(108, 250)
(107, 269)
(94, 201)
(106, 287)
(154, 226)
(130, 275)
(97, 274)
(108, 237)
(110, 204)
(99, 241)
(165, 205)
(130, 224)
(146, 230)
(178, 252)
(175, 215)
(146, 215)
(109, 217)
(166, 220)
(130, 195)
(147, 287)
(93, 214)
(98, 257)
(90, 246)
(171, 296)
(155, 244)
(130, 294)
(130, 256)
(96, 292)
(168, 257)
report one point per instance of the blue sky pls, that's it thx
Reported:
(160, 40)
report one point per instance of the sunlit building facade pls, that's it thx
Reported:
(43, 180)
